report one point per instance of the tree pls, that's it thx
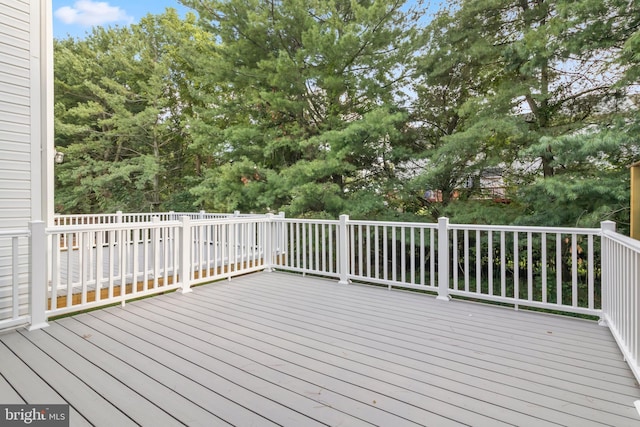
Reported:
(300, 104)
(544, 83)
(121, 109)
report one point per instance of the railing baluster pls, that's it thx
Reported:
(478, 262)
(543, 250)
(466, 260)
(559, 269)
(590, 273)
(432, 256)
(376, 239)
(393, 254)
(368, 250)
(529, 266)
(422, 265)
(503, 264)
(15, 277)
(456, 284)
(385, 253)
(516, 267)
(490, 260)
(574, 270)
(99, 264)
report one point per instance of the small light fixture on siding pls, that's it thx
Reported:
(58, 157)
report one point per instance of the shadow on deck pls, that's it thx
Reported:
(282, 349)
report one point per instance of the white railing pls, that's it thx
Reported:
(549, 268)
(99, 264)
(14, 278)
(226, 248)
(307, 246)
(109, 263)
(120, 217)
(109, 259)
(621, 293)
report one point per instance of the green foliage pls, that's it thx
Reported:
(121, 109)
(530, 88)
(323, 107)
(305, 93)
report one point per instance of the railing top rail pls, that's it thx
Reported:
(15, 232)
(306, 221)
(395, 223)
(107, 227)
(623, 240)
(230, 220)
(524, 229)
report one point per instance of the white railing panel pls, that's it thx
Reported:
(110, 263)
(229, 247)
(621, 295)
(393, 253)
(14, 278)
(550, 268)
(306, 246)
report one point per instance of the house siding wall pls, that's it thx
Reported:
(16, 140)
(15, 114)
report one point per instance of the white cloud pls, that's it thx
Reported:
(89, 13)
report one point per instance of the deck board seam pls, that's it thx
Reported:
(340, 328)
(168, 308)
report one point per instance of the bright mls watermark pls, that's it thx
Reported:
(34, 415)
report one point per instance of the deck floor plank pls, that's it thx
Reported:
(327, 361)
(325, 389)
(283, 349)
(262, 376)
(81, 397)
(409, 345)
(258, 395)
(191, 401)
(95, 367)
(31, 389)
(471, 334)
(481, 389)
(577, 405)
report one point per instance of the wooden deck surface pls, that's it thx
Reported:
(281, 349)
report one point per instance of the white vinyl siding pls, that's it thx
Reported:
(15, 114)
(16, 141)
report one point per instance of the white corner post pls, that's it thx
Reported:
(118, 217)
(185, 254)
(38, 266)
(343, 250)
(269, 240)
(605, 260)
(443, 259)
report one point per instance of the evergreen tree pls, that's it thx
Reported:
(121, 108)
(544, 88)
(301, 104)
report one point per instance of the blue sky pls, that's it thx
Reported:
(76, 17)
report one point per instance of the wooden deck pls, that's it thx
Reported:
(281, 349)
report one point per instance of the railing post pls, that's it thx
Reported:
(185, 254)
(605, 260)
(118, 217)
(172, 216)
(201, 214)
(343, 250)
(443, 259)
(38, 267)
(268, 243)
